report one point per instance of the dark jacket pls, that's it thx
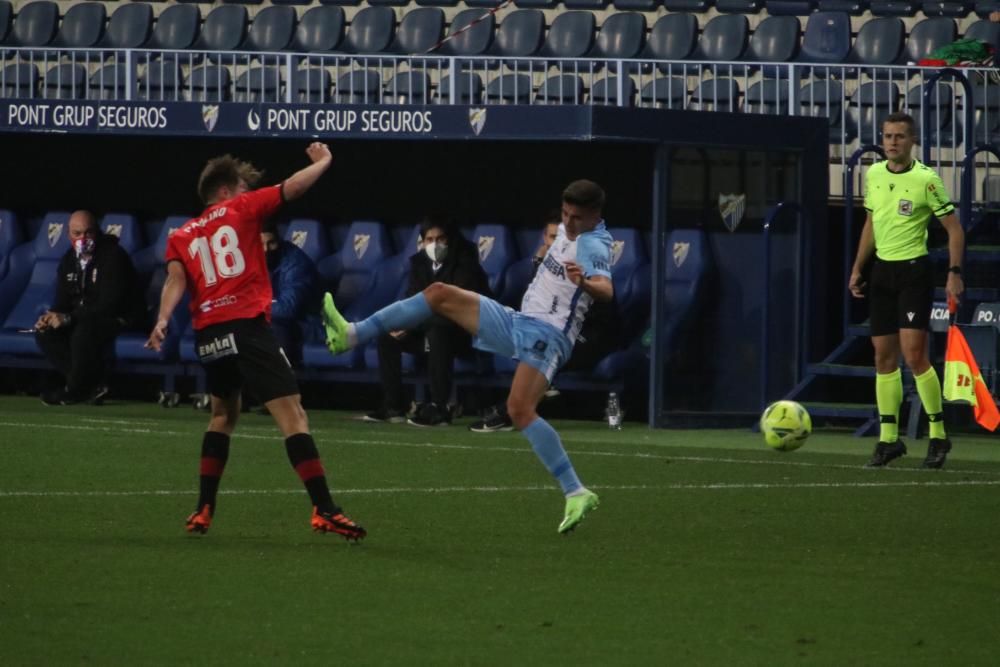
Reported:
(460, 268)
(108, 287)
(294, 283)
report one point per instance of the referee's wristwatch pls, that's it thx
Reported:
(957, 270)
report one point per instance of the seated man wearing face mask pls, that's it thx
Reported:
(448, 257)
(294, 287)
(96, 297)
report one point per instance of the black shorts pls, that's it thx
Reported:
(246, 352)
(900, 295)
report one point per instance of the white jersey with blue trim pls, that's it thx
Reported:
(552, 297)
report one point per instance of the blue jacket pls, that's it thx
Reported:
(294, 282)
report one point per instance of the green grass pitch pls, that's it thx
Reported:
(708, 548)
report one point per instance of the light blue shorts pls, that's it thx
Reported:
(506, 332)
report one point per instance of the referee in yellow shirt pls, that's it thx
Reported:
(901, 195)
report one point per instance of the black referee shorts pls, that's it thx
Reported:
(245, 352)
(900, 295)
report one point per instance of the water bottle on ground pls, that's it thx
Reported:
(614, 412)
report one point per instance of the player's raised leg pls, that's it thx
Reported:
(458, 305)
(214, 454)
(526, 391)
(327, 516)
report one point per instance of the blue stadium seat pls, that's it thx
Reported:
(371, 31)
(474, 41)
(686, 269)
(718, 94)
(30, 284)
(516, 281)
(605, 91)
(320, 30)
(6, 19)
(986, 114)
(176, 28)
(358, 86)
(357, 265)
(790, 7)
(669, 92)
(571, 35)
(409, 87)
(768, 96)
(520, 35)
(340, 2)
(724, 39)
(826, 99)
(82, 26)
(952, 9)
(986, 31)
(209, 83)
(776, 40)
(419, 31)
(19, 80)
(693, 6)
(389, 3)
(622, 35)
(874, 101)
(437, 3)
(310, 236)
(536, 4)
(161, 80)
(894, 7)
(628, 255)
(637, 5)
(272, 29)
(126, 228)
(927, 36)
(879, 42)
(591, 5)
(224, 29)
(739, 6)
(509, 89)
(150, 263)
(35, 24)
(852, 7)
(945, 129)
(108, 82)
(66, 82)
(497, 251)
(560, 89)
(11, 236)
(312, 84)
(468, 88)
(672, 37)
(983, 8)
(827, 39)
(129, 27)
(259, 84)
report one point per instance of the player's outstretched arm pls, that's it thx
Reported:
(599, 287)
(173, 291)
(299, 183)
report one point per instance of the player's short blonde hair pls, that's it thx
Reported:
(225, 171)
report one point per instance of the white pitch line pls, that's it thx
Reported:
(718, 486)
(516, 450)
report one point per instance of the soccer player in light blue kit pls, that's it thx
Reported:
(575, 272)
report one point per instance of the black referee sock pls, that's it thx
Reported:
(214, 454)
(304, 457)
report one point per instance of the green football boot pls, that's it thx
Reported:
(577, 508)
(335, 326)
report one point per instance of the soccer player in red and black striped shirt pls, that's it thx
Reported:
(219, 258)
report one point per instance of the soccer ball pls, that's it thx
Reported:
(785, 425)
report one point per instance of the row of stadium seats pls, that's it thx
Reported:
(906, 8)
(571, 34)
(363, 264)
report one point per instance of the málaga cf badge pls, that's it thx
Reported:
(477, 119)
(731, 208)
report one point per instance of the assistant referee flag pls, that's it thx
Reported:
(964, 382)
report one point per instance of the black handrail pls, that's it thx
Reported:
(852, 162)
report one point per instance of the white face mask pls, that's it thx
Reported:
(436, 251)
